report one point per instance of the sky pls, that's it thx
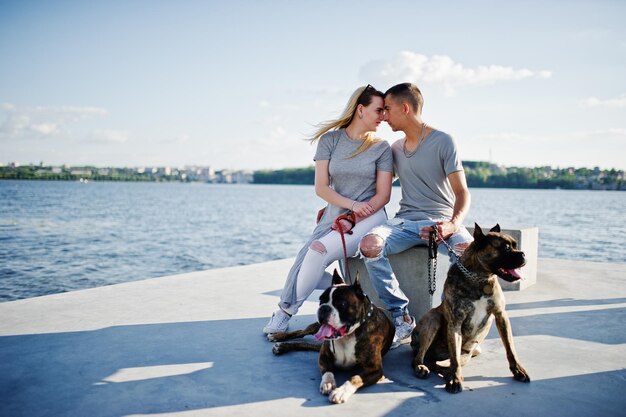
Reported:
(242, 84)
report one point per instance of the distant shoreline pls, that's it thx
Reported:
(395, 184)
(479, 175)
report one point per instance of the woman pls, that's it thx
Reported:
(353, 172)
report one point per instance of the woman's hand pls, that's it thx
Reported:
(362, 209)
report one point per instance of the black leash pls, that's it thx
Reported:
(432, 261)
(432, 254)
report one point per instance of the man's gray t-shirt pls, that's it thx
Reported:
(354, 178)
(426, 192)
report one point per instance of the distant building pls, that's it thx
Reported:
(225, 176)
(201, 174)
(243, 177)
(81, 172)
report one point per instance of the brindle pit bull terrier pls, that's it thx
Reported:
(471, 299)
(355, 333)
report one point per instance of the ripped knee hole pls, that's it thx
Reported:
(459, 248)
(318, 246)
(371, 246)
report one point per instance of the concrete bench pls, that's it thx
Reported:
(411, 270)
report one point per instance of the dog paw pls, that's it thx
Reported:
(422, 371)
(278, 349)
(328, 383)
(341, 394)
(520, 374)
(454, 386)
(276, 337)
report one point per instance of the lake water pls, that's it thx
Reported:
(62, 236)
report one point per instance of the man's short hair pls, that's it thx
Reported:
(407, 93)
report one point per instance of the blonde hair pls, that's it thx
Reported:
(363, 96)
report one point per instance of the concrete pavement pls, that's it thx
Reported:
(191, 345)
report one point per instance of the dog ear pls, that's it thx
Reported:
(337, 280)
(478, 232)
(357, 285)
(495, 228)
(479, 236)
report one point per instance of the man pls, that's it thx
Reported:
(434, 194)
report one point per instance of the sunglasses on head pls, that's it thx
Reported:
(367, 87)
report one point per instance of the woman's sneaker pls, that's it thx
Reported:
(403, 331)
(278, 323)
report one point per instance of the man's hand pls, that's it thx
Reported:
(445, 229)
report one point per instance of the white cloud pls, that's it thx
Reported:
(442, 70)
(588, 148)
(181, 139)
(278, 132)
(504, 136)
(578, 136)
(615, 102)
(45, 128)
(264, 104)
(274, 136)
(108, 136)
(33, 122)
(610, 132)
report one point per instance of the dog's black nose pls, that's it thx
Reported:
(323, 312)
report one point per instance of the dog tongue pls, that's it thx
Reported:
(329, 332)
(513, 273)
(324, 332)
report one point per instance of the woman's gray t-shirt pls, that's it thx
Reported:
(354, 178)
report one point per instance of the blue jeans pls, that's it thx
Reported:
(400, 235)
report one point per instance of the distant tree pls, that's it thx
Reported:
(304, 176)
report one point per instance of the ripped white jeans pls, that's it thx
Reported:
(313, 273)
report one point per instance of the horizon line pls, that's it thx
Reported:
(16, 164)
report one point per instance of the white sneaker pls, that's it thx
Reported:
(278, 323)
(403, 331)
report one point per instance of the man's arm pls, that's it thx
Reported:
(462, 199)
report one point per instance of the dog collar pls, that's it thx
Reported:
(464, 270)
(369, 312)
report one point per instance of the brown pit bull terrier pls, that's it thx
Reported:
(355, 333)
(472, 297)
